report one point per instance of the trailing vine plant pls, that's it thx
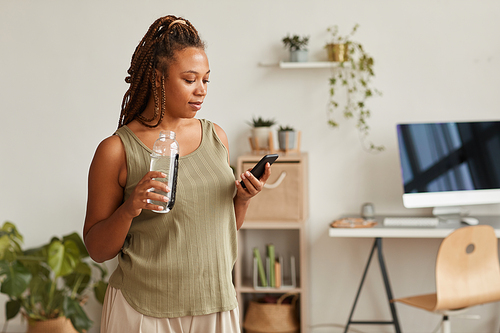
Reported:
(353, 75)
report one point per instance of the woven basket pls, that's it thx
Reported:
(272, 318)
(58, 325)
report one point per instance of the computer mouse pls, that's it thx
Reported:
(469, 220)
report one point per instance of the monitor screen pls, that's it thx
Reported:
(450, 164)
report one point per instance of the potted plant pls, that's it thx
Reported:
(286, 137)
(260, 131)
(48, 284)
(353, 76)
(297, 46)
(337, 47)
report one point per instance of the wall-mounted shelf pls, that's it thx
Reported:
(310, 64)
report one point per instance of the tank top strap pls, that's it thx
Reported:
(138, 157)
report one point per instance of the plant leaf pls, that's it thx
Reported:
(10, 242)
(17, 278)
(39, 287)
(63, 257)
(75, 237)
(74, 311)
(81, 274)
(332, 123)
(4, 245)
(102, 269)
(12, 308)
(100, 291)
(53, 309)
(10, 228)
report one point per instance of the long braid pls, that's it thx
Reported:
(137, 95)
(155, 51)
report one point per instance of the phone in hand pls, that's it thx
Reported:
(260, 167)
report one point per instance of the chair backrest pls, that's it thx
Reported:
(467, 268)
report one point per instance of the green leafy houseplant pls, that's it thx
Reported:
(295, 42)
(262, 122)
(297, 46)
(49, 281)
(260, 132)
(285, 129)
(353, 75)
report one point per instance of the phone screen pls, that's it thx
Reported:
(259, 168)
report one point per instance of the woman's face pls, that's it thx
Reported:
(186, 83)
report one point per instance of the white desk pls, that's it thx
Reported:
(441, 231)
(379, 232)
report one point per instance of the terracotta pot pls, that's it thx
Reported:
(58, 325)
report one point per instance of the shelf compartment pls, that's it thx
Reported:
(286, 243)
(247, 298)
(247, 288)
(285, 202)
(287, 281)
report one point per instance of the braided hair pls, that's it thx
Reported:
(155, 51)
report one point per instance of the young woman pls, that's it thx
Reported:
(174, 270)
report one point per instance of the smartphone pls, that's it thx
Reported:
(259, 168)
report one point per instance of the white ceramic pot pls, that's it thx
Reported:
(262, 135)
(299, 56)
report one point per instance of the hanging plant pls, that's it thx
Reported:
(352, 77)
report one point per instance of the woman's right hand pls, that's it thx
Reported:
(142, 192)
(109, 217)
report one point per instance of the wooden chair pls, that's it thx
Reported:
(467, 273)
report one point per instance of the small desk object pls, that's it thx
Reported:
(379, 232)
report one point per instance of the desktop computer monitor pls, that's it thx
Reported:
(450, 165)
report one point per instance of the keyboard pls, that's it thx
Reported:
(411, 221)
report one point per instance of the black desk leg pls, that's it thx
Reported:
(387, 284)
(377, 244)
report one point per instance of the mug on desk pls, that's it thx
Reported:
(368, 211)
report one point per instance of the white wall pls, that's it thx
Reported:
(62, 70)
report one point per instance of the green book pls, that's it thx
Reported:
(272, 260)
(260, 267)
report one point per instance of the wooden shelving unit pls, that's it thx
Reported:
(287, 232)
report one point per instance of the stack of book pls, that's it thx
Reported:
(270, 273)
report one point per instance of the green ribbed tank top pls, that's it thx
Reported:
(180, 263)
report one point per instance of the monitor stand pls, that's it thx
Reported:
(452, 211)
(454, 214)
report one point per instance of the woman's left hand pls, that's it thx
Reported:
(253, 185)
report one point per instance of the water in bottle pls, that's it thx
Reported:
(165, 158)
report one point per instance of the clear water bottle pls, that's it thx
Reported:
(165, 158)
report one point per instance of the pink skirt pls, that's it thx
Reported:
(119, 317)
